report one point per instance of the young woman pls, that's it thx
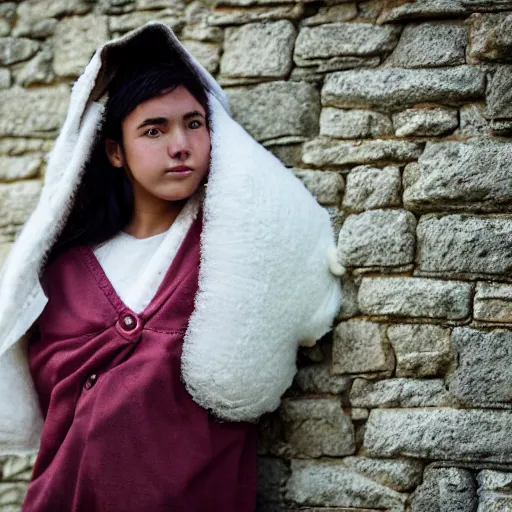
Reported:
(151, 308)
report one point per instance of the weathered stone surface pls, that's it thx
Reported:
(116, 6)
(38, 70)
(484, 360)
(198, 27)
(354, 124)
(316, 68)
(14, 49)
(446, 490)
(17, 200)
(262, 50)
(343, 39)
(377, 238)
(18, 468)
(324, 151)
(361, 347)
(420, 350)
(369, 188)
(142, 5)
(349, 306)
(425, 122)
(206, 53)
(446, 434)
(422, 9)
(19, 167)
(272, 476)
(499, 94)
(7, 13)
(32, 112)
(493, 302)
(15, 146)
(332, 14)
(414, 297)
(173, 17)
(5, 247)
(472, 121)
(277, 109)
(490, 480)
(446, 43)
(501, 127)
(455, 175)
(5, 78)
(399, 474)
(464, 244)
(491, 37)
(254, 14)
(317, 378)
(329, 483)
(494, 502)
(400, 393)
(12, 495)
(326, 186)
(316, 427)
(76, 40)
(404, 87)
(486, 5)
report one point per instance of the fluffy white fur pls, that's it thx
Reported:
(264, 283)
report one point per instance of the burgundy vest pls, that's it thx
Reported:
(121, 432)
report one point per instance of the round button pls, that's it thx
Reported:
(91, 380)
(128, 322)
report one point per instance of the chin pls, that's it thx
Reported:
(179, 194)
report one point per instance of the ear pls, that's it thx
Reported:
(114, 152)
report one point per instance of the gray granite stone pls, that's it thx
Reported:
(19, 167)
(17, 200)
(377, 238)
(317, 378)
(354, 124)
(400, 393)
(207, 54)
(241, 16)
(5, 248)
(368, 188)
(415, 297)
(18, 468)
(491, 501)
(329, 483)
(325, 152)
(277, 109)
(32, 112)
(332, 14)
(38, 70)
(446, 43)
(7, 14)
(327, 187)
(5, 78)
(483, 372)
(349, 306)
(404, 87)
(493, 302)
(116, 6)
(486, 5)
(16, 49)
(198, 27)
(12, 495)
(262, 50)
(490, 37)
(446, 490)
(422, 9)
(420, 350)
(173, 17)
(491, 480)
(444, 434)
(360, 346)
(472, 121)
(425, 122)
(272, 477)
(476, 175)
(465, 244)
(499, 94)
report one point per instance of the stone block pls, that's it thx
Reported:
(316, 426)
(38, 70)
(404, 87)
(244, 15)
(272, 477)
(494, 491)
(360, 346)
(331, 484)
(323, 152)
(377, 238)
(400, 393)
(5, 248)
(483, 372)
(398, 474)
(445, 490)
(33, 112)
(332, 14)
(425, 122)
(12, 495)
(370, 188)
(354, 124)
(206, 53)
(7, 15)
(444, 434)
(262, 50)
(349, 306)
(277, 109)
(17, 200)
(16, 49)
(499, 94)
(173, 17)
(460, 176)
(422, 9)
(343, 39)
(472, 121)
(493, 302)
(327, 187)
(494, 502)
(19, 167)
(317, 378)
(446, 43)
(18, 468)
(465, 244)
(491, 37)
(415, 297)
(5, 78)
(420, 350)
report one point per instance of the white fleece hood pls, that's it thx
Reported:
(264, 281)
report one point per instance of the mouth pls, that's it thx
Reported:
(180, 170)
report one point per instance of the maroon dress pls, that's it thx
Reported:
(121, 433)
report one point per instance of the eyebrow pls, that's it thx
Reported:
(159, 121)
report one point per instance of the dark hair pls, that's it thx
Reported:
(103, 203)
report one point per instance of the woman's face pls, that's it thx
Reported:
(165, 148)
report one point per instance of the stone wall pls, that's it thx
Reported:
(397, 116)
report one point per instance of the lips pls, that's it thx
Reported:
(179, 168)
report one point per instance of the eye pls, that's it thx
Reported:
(195, 124)
(152, 132)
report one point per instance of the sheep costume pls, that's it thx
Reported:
(268, 279)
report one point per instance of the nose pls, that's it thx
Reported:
(179, 147)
